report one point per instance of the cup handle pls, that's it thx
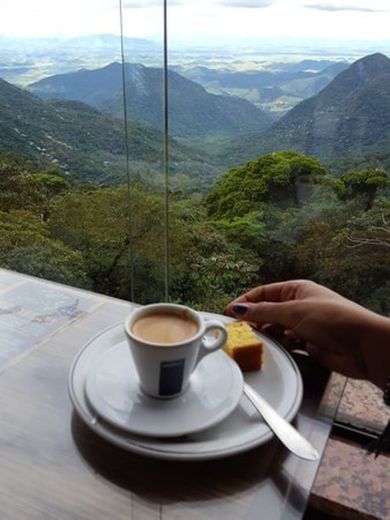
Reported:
(209, 343)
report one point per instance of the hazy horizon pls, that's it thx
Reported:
(201, 20)
(270, 45)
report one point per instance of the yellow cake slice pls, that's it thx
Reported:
(244, 346)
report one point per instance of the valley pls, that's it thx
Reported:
(221, 114)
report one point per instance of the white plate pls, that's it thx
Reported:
(112, 389)
(279, 382)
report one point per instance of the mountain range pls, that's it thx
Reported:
(78, 138)
(348, 117)
(193, 112)
(276, 88)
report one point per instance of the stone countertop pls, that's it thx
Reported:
(362, 407)
(53, 466)
(351, 484)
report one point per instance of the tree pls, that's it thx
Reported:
(120, 235)
(275, 178)
(363, 185)
(207, 268)
(26, 246)
(23, 185)
(325, 251)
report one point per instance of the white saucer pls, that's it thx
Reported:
(112, 389)
(279, 382)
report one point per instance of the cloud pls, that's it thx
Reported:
(139, 4)
(136, 4)
(251, 4)
(368, 6)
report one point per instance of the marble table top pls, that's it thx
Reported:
(53, 467)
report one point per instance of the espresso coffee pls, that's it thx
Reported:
(165, 328)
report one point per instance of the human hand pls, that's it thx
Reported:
(338, 333)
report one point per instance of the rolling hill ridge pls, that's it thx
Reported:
(193, 111)
(349, 116)
(77, 137)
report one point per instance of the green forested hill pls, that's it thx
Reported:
(193, 111)
(89, 86)
(349, 117)
(41, 129)
(80, 139)
(280, 216)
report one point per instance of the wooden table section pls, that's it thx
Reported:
(53, 467)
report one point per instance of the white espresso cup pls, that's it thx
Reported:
(164, 368)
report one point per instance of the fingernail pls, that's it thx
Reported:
(240, 309)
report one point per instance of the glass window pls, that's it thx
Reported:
(193, 150)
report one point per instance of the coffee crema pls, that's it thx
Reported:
(164, 328)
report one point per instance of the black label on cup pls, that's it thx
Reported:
(171, 377)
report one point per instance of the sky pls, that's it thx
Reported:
(200, 20)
